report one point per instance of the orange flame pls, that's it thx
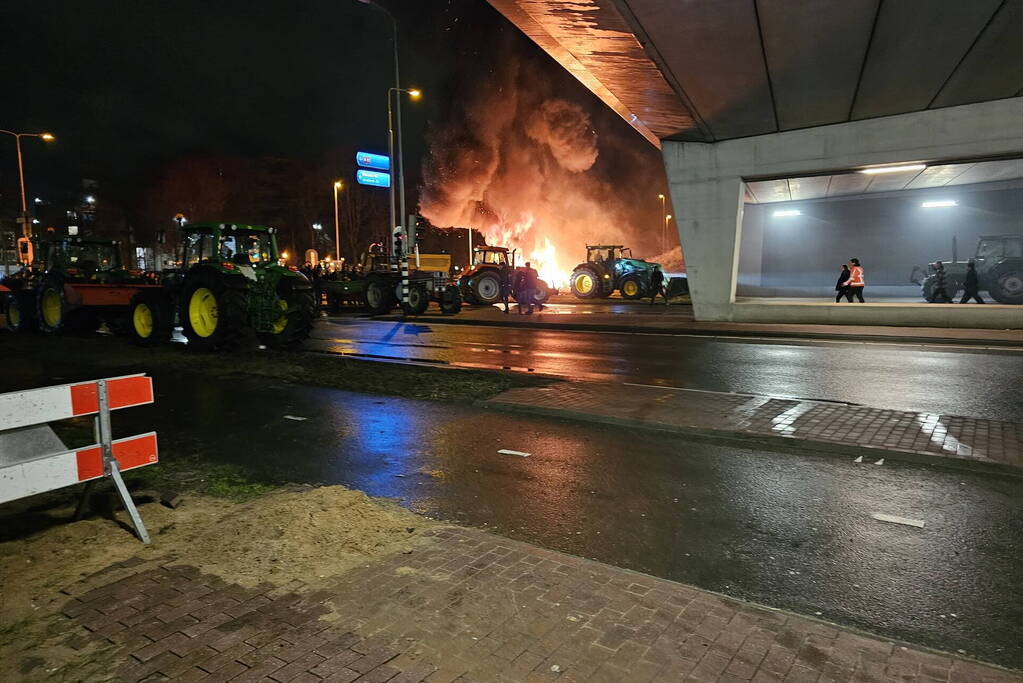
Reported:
(540, 252)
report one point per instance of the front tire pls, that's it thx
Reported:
(298, 311)
(213, 314)
(418, 301)
(450, 300)
(55, 314)
(632, 287)
(150, 320)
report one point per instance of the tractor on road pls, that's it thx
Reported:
(999, 262)
(375, 286)
(481, 282)
(73, 284)
(611, 267)
(230, 280)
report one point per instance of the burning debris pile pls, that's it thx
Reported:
(527, 168)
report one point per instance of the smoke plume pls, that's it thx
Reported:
(519, 158)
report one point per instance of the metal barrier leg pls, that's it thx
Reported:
(110, 463)
(83, 500)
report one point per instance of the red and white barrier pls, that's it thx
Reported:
(23, 414)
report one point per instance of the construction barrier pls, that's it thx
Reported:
(34, 460)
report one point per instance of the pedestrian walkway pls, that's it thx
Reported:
(830, 427)
(465, 605)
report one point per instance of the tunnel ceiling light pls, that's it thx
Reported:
(939, 204)
(783, 213)
(893, 169)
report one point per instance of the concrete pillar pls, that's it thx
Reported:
(706, 182)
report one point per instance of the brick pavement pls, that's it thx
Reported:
(833, 427)
(465, 605)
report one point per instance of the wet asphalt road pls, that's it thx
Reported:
(779, 529)
(944, 380)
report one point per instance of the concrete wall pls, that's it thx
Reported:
(706, 182)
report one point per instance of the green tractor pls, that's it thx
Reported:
(611, 267)
(999, 263)
(230, 281)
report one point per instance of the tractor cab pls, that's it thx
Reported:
(228, 246)
(78, 259)
(495, 256)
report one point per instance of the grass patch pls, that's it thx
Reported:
(196, 476)
(42, 358)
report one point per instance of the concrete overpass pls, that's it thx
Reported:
(743, 95)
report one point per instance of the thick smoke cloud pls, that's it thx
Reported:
(519, 158)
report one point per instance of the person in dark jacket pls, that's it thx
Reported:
(938, 293)
(507, 276)
(519, 286)
(841, 287)
(531, 279)
(657, 286)
(971, 285)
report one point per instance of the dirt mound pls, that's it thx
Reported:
(305, 535)
(298, 534)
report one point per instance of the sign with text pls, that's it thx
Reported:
(374, 178)
(376, 161)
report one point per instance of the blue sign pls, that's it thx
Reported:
(374, 178)
(377, 161)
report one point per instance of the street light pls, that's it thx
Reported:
(413, 93)
(337, 221)
(664, 225)
(46, 137)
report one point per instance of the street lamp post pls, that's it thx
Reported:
(667, 217)
(46, 137)
(337, 221)
(664, 225)
(413, 93)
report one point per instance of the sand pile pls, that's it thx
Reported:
(304, 534)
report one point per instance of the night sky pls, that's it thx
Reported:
(128, 86)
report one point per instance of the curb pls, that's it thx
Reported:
(706, 332)
(774, 442)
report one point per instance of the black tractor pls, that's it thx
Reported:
(611, 267)
(999, 262)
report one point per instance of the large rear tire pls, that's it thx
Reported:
(150, 318)
(213, 313)
(20, 311)
(298, 311)
(487, 288)
(585, 283)
(379, 297)
(541, 293)
(1007, 284)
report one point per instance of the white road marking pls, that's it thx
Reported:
(295, 417)
(895, 519)
(505, 451)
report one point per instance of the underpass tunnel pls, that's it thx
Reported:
(797, 232)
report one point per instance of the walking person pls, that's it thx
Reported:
(971, 286)
(856, 281)
(531, 279)
(519, 285)
(657, 286)
(938, 293)
(507, 275)
(841, 287)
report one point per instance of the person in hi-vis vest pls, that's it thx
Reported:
(855, 283)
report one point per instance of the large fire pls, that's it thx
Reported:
(537, 249)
